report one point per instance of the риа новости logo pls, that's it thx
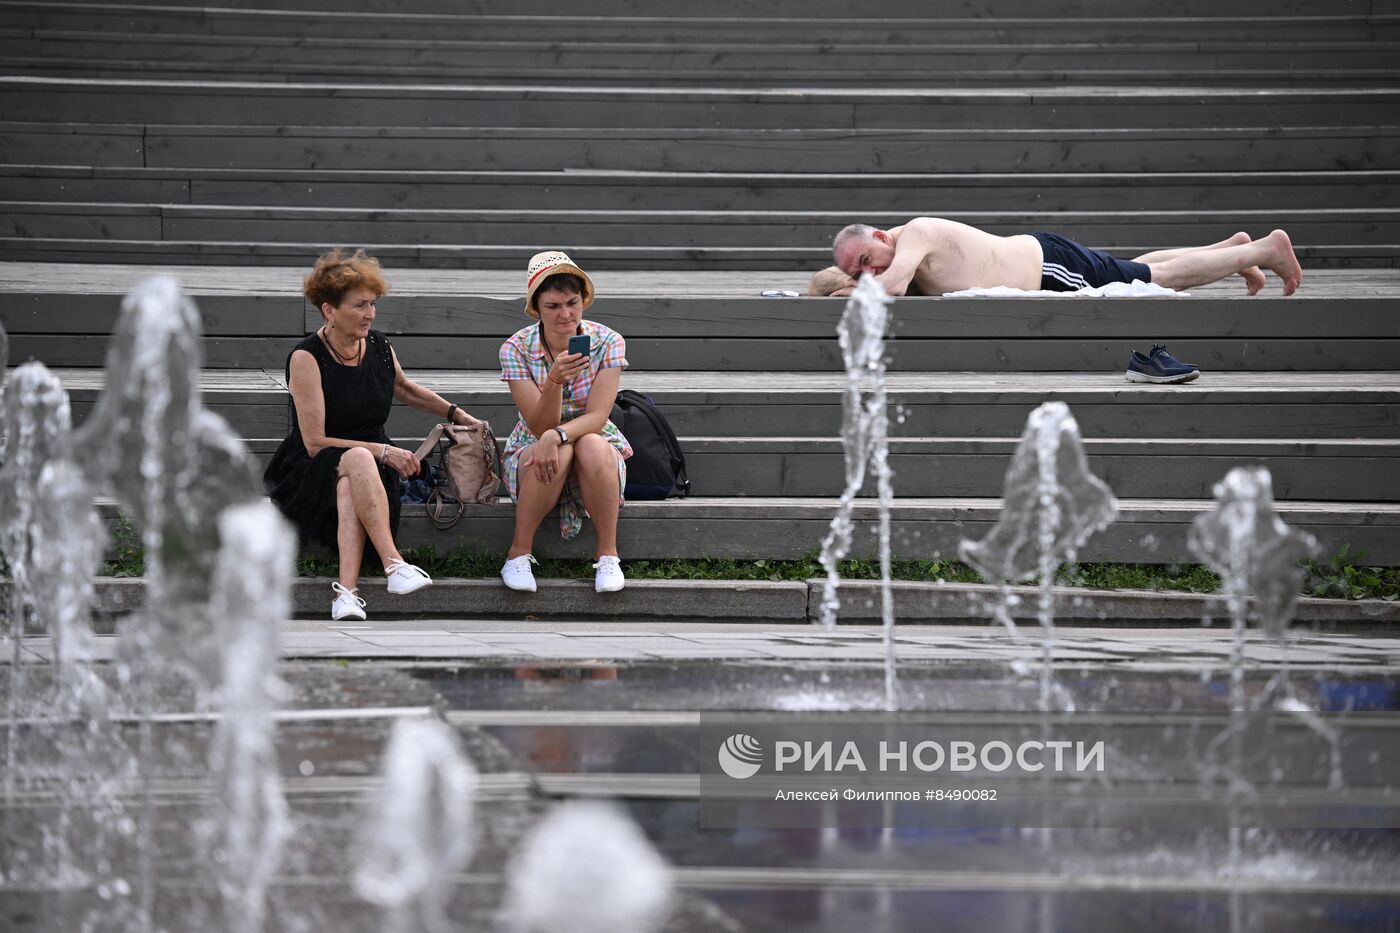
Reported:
(740, 756)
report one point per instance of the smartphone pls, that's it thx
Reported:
(580, 343)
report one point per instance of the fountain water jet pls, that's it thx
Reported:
(1256, 555)
(422, 831)
(252, 597)
(37, 428)
(172, 465)
(37, 425)
(1051, 505)
(865, 440)
(588, 869)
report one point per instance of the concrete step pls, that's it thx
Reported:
(295, 147)
(604, 190)
(1124, 24)
(1324, 406)
(341, 104)
(1221, 334)
(761, 602)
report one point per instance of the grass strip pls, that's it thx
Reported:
(1343, 576)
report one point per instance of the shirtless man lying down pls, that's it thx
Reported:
(938, 256)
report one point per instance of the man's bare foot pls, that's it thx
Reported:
(1285, 263)
(1253, 279)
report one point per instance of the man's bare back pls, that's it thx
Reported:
(956, 256)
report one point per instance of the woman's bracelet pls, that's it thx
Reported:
(451, 410)
(383, 454)
(550, 376)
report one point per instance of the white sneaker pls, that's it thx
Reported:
(609, 578)
(517, 573)
(346, 604)
(404, 578)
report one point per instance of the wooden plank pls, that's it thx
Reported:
(269, 317)
(652, 259)
(1148, 531)
(766, 355)
(260, 420)
(966, 405)
(1131, 61)
(481, 289)
(1172, 470)
(680, 229)
(702, 191)
(84, 143)
(118, 100)
(896, 9)
(923, 467)
(1265, 316)
(938, 354)
(825, 150)
(757, 29)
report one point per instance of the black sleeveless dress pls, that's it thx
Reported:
(357, 401)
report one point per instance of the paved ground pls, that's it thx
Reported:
(482, 640)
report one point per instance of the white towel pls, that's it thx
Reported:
(1135, 289)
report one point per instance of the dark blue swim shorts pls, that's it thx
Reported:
(1068, 267)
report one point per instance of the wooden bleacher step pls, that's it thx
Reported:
(298, 147)
(1147, 530)
(109, 100)
(603, 190)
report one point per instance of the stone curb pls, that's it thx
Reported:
(761, 601)
(939, 602)
(727, 600)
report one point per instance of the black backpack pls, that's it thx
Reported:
(656, 469)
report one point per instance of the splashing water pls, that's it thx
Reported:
(865, 441)
(171, 465)
(67, 540)
(52, 540)
(250, 818)
(422, 830)
(587, 868)
(1256, 554)
(38, 431)
(1051, 505)
(36, 427)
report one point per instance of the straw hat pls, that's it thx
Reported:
(542, 266)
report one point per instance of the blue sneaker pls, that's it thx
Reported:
(1160, 367)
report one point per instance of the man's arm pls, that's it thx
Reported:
(909, 254)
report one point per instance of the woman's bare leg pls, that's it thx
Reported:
(350, 535)
(597, 480)
(371, 504)
(534, 500)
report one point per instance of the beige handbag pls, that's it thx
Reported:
(469, 464)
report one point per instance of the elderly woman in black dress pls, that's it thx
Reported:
(337, 474)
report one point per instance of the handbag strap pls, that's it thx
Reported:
(426, 447)
(437, 505)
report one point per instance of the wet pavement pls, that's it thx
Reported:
(626, 713)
